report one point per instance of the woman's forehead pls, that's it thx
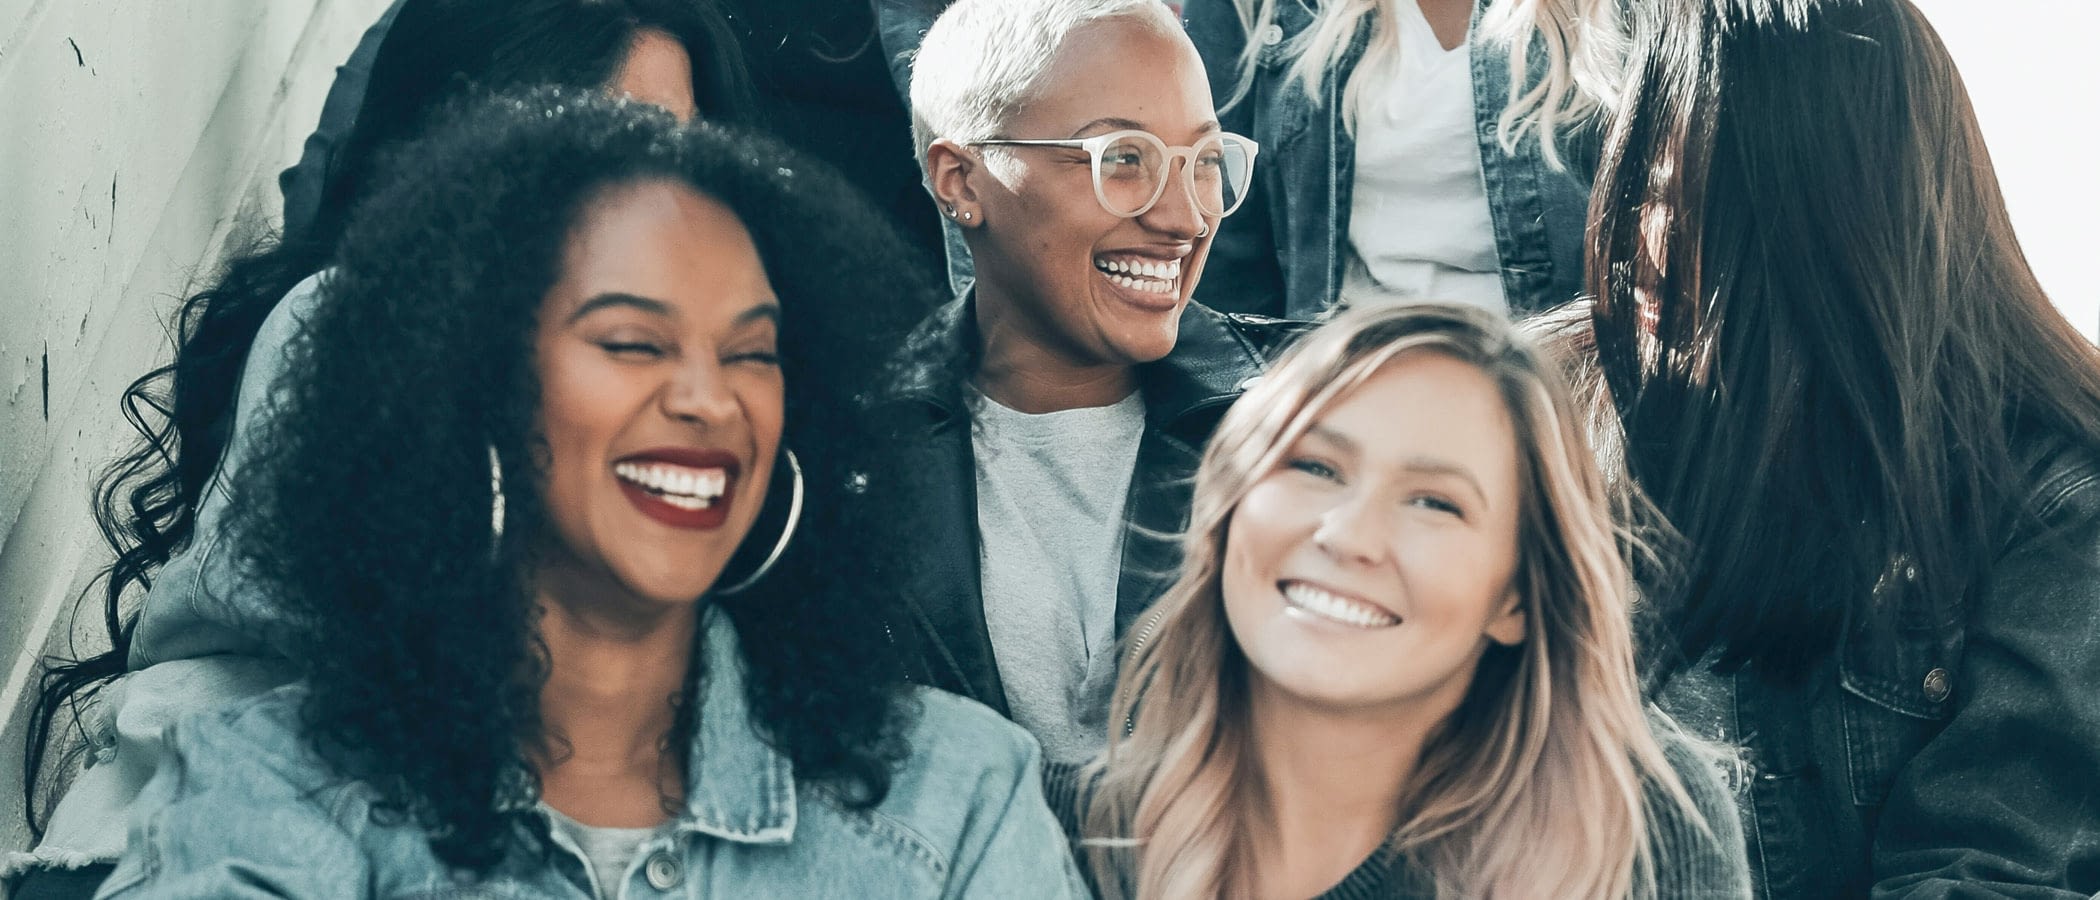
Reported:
(1124, 70)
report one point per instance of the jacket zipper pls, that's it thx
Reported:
(1136, 644)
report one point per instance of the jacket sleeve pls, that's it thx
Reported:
(1702, 857)
(1019, 850)
(2005, 800)
(1241, 274)
(220, 819)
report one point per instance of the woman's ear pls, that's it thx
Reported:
(1508, 626)
(949, 166)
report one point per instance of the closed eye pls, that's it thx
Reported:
(632, 349)
(755, 357)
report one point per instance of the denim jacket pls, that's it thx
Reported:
(242, 808)
(1290, 239)
(1963, 760)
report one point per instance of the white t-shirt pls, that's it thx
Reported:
(1419, 224)
(1050, 496)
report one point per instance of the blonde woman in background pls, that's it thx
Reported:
(1398, 659)
(1417, 148)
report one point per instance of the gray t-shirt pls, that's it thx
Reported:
(1050, 492)
(608, 850)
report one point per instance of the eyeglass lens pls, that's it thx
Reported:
(1132, 169)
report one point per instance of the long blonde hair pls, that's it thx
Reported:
(1583, 42)
(1535, 787)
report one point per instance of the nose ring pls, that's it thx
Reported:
(1203, 230)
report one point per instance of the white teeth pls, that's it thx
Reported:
(1333, 607)
(1148, 285)
(679, 486)
(1149, 270)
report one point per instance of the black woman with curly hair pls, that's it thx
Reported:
(576, 561)
(185, 647)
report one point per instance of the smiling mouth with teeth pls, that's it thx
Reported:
(1152, 276)
(679, 486)
(1306, 600)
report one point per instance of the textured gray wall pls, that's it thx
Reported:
(135, 137)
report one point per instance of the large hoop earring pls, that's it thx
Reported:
(786, 533)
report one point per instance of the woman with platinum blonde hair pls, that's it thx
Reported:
(1398, 660)
(1074, 146)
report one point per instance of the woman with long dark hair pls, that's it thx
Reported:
(1842, 384)
(568, 512)
(158, 504)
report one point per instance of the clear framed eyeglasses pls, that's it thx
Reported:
(1131, 169)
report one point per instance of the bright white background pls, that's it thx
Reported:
(2030, 68)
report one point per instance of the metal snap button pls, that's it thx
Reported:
(663, 871)
(1938, 684)
(1272, 35)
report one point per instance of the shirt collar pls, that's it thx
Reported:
(1211, 362)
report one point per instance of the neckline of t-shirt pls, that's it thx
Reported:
(1425, 34)
(1012, 425)
(579, 827)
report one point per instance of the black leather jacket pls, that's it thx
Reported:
(1215, 358)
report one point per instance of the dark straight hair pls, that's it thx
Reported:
(435, 52)
(1817, 324)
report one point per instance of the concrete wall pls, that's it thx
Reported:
(134, 138)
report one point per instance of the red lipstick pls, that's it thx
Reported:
(683, 487)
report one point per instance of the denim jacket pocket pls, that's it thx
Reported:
(1900, 694)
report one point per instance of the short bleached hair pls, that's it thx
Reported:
(981, 60)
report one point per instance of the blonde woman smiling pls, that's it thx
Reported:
(1398, 660)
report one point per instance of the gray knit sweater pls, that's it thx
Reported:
(1690, 861)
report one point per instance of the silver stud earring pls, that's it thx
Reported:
(967, 215)
(951, 210)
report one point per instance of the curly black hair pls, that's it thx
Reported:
(434, 52)
(367, 512)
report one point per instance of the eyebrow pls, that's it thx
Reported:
(1417, 464)
(768, 310)
(1117, 123)
(605, 301)
(765, 309)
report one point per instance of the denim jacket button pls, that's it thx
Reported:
(1272, 35)
(663, 871)
(1938, 684)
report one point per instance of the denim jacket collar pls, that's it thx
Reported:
(1211, 363)
(739, 788)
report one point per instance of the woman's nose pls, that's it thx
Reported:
(1355, 530)
(1176, 212)
(699, 394)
